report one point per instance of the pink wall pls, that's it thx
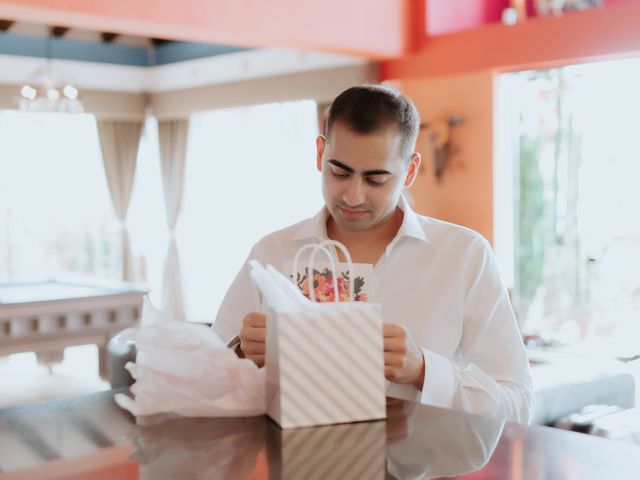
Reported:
(591, 35)
(448, 16)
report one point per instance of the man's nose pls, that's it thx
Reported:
(354, 193)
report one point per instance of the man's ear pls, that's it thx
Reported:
(412, 173)
(320, 142)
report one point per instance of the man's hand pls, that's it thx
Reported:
(253, 337)
(403, 359)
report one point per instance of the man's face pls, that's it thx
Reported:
(363, 175)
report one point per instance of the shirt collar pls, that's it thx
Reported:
(316, 226)
(411, 226)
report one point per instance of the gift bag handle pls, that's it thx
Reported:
(314, 247)
(322, 246)
(347, 257)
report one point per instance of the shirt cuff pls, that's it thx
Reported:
(439, 380)
(234, 343)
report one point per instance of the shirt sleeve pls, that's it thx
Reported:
(242, 297)
(489, 373)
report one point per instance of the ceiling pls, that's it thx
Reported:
(34, 40)
(102, 60)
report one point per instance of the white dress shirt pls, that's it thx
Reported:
(441, 282)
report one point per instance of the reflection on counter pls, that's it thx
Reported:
(91, 437)
(349, 451)
(198, 447)
(430, 443)
(420, 443)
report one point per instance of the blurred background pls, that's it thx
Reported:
(146, 146)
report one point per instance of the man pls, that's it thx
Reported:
(450, 336)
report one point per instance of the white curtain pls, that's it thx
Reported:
(172, 137)
(119, 142)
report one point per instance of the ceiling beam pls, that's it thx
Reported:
(108, 37)
(5, 25)
(371, 28)
(159, 41)
(58, 31)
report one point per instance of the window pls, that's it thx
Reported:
(55, 211)
(576, 222)
(249, 171)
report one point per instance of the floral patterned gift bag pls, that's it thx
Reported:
(363, 281)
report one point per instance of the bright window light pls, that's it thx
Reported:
(577, 256)
(249, 171)
(55, 211)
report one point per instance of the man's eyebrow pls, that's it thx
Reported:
(365, 173)
(368, 173)
(341, 165)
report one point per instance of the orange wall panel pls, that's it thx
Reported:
(465, 194)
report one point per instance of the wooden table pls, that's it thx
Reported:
(90, 437)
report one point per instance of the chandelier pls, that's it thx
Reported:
(46, 93)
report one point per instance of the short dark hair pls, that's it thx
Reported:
(366, 109)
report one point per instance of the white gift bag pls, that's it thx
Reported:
(325, 361)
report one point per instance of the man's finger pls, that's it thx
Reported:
(393, 344)
(392, 330)
(393, 359)
(255, 335)
(258, 320)
(390, 372)
(254, 347)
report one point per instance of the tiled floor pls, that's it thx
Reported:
(22, 380)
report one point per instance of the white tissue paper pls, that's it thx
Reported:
(185, 368)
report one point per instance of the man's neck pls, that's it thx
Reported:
(366, 244)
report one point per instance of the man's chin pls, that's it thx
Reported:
(353, 225)
(343, 220)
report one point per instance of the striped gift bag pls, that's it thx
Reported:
(325, 361)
